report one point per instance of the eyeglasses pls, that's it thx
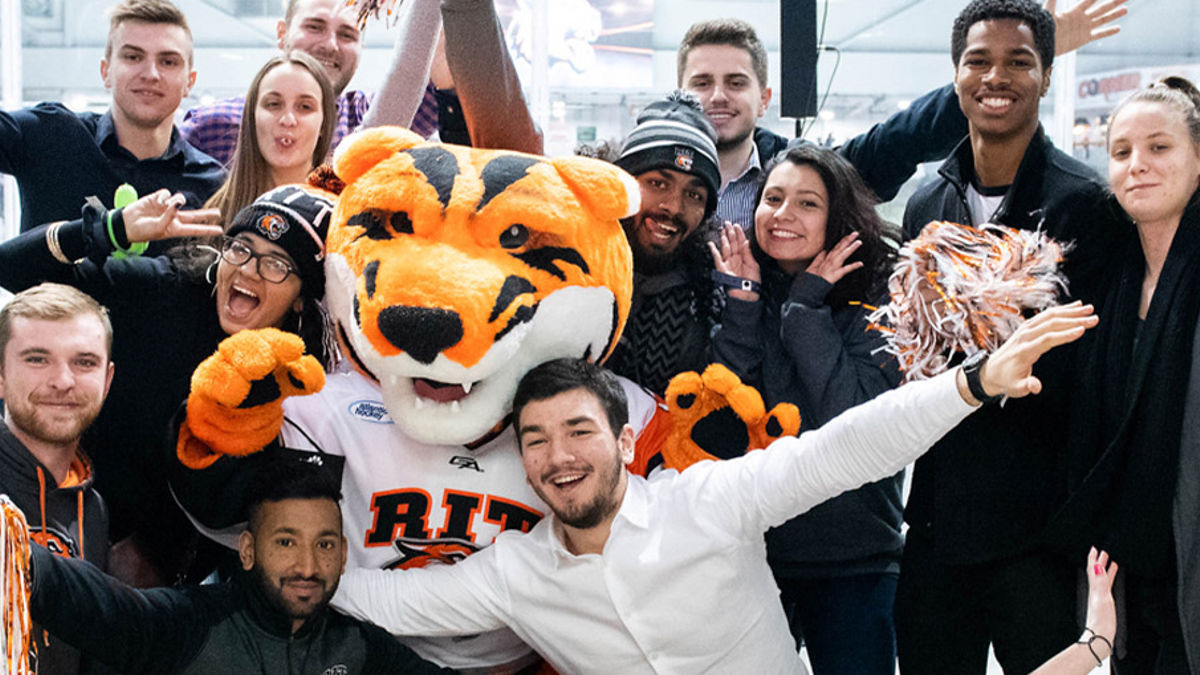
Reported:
(270, 267)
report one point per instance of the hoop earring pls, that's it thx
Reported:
(208, 274)
(300, 322)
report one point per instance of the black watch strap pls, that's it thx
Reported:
(971, 368)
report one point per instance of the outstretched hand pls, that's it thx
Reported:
(731, 255)
(1084, 23)
(157, 216)
(1009, 370)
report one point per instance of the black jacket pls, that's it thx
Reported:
(218, 628)
(795, 348)
(887, 154)
(70, 521)
(989, 486)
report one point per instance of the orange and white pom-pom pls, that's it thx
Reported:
(14, 588)
(957, 288)
(375, 8)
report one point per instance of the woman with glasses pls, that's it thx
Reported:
(169, 313)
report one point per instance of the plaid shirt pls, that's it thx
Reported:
(213, 129)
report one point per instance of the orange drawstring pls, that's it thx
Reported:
(42, 502)
(79, 519)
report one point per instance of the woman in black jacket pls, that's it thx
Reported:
(795, 328)
(1134, 454)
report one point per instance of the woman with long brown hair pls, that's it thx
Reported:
(287, 128)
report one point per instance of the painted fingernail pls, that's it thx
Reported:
(1098, 571)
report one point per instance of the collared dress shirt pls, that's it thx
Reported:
(682, 585)
(60, 158)
(736, 199)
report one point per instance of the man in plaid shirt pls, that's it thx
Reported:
(327, 30)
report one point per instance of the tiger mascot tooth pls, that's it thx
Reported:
(450, 273)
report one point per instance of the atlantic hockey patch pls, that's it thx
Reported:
(370, 411)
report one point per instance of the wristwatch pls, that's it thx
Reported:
(972, 366)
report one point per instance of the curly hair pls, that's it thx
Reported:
(1028, 12)
(851, 209)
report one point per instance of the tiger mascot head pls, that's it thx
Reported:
(451, 272)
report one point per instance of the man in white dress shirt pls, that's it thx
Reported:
(670, 574)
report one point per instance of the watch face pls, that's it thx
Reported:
(973, 361)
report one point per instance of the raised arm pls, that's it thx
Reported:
(49, 252)
(888, 153)
(882, 436)
(486, 79)
(133, 631)
(403, 90)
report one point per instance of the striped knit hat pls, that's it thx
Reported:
(296, 217)
(674, 134)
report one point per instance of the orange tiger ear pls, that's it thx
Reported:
(364, 149)
(604, 189)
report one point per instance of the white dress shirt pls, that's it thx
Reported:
(683, 584)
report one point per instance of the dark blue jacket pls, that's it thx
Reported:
(59, 158)
(887, 154)
(797, 349)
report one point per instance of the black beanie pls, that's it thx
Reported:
(296, 218)
(673, 133)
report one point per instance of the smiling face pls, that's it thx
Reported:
(288, 118)
(672, 208)
(1000, 78)
(245, 299)
(789, 223)
(572, 458)
(148, 72)
(1153, 166)
(722, 77)
(327, 31)
(53, 378)
(296, 552)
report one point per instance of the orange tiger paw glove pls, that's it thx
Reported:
(715, 416)
(236, 403)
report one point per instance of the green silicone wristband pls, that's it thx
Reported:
(135, 249)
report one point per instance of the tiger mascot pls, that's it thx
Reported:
(450, 273)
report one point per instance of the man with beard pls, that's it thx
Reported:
(55, 371)
(272, 618)
(669, 574)
(673, 155)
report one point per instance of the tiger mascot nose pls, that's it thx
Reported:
(422, 332)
